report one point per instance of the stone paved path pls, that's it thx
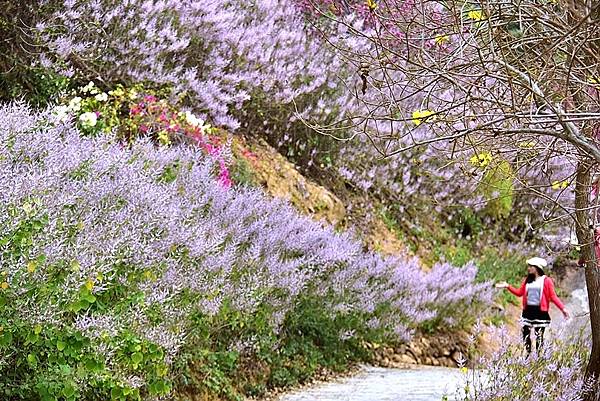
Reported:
(423, 383)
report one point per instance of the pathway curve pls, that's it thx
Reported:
(419, 383)
(422, 383)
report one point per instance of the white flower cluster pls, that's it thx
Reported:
(88, 119)
(90, 88)
(63, 112)
(192, 120)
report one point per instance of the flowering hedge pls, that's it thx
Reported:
(113, 259)
(217, 54)
(555, 373)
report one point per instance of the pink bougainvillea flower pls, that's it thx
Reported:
(135, 110)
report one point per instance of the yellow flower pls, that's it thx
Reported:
(133, 94)
(31, 266)
(117, 92)
(476, 15)
(4, 285)
(149, 275)
(464, 370)
(441, 39)
(421, 116)
(593, 81)
(163, 138)
(481, 159)
(372, 4)
(27, 207)
(560, 184)
(527, 145)
(75, 266)
(89, 284)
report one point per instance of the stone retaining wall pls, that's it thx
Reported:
(446, 351)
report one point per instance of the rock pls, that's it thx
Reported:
(383, 239)
(457, 356)
(428, 361)
(446, 352)
(447, 362)
(401, 349)
(425, 342)
(407, 359)
(436, 362)
(415, 350)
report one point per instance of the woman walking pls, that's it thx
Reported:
(537, 291)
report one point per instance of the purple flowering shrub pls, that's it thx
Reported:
(218, 54)
(116, 258)
(555, 373)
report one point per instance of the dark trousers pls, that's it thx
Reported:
(538, 332)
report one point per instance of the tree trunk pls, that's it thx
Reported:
(585, 237)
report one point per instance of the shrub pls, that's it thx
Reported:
(218, 55)
(115, 259)
(556, 373)
(20, 75)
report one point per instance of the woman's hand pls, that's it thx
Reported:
(566, 314)
(501, 284)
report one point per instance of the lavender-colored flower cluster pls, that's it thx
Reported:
(555, 373)
(217, 53)
(154, 238)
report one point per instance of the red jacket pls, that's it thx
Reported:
(548, 294)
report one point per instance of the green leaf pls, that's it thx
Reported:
(32, 338)
(69, 391)
(137, 358)
(60, 345)
(41, 259)
(6, 339)
(79, 305)
(116, 393)
(32, 359)
(89, 298)
(92, 365)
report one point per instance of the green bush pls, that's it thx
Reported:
(311, 339)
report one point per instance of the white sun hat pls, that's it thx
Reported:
(537, 261)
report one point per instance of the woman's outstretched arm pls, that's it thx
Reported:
(517, 291)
